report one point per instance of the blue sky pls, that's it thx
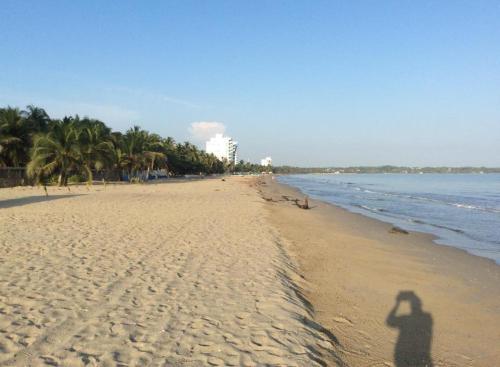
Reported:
(307, 82)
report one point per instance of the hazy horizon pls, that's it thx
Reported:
(312, 84)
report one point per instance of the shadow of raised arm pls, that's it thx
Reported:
(413, 347)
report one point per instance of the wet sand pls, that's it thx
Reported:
(356, 267)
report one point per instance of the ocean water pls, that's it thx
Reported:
(462, 210)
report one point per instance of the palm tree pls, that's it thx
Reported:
(117, 156)
(153, 151)
(37, 119)
(96, 147)
(56, 152)
(142, 150)
(14, 138)
(50, 148)
(131, 147)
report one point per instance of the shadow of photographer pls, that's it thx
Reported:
(413, 347)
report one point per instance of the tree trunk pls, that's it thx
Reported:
(90, 178)
(60, 179)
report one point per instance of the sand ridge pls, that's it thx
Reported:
(174, 274)
(359, 267)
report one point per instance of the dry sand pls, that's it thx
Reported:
(174, 274)
(356, 266)
(215, 272)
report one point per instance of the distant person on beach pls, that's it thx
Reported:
(413, 348)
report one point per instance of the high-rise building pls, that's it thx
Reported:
(223, 147)
(266, 161)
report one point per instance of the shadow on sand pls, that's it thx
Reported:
(413, 347)
(320, 354)
(10, 203)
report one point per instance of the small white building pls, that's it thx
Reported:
(266, 162)
(223, 147)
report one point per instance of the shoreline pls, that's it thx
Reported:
(356, 267)
(432, 237)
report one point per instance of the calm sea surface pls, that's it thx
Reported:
(462, 210)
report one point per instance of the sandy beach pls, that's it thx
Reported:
(213, 272)
(175, 274)
(356, 268)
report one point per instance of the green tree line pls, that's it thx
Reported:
(383, 169)
(58, 149)
(247, 167)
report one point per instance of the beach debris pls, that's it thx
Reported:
(306, 203)
(269, 199)
(398, 230)
(302, 206)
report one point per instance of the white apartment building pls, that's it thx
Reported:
(266, 162)
(223, 147)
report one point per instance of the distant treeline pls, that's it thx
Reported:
(75, 149)
(383, 169)
(247, 167)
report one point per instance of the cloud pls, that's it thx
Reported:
(204, 130)
(179, 101)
